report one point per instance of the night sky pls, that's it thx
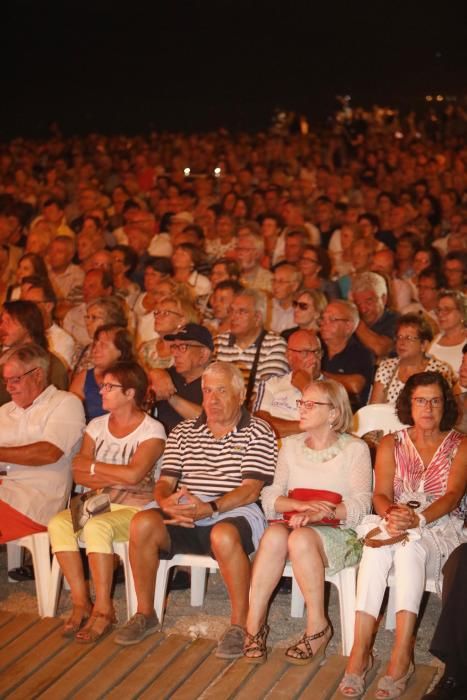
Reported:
(198, 65)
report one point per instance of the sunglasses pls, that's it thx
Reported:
(302, 305)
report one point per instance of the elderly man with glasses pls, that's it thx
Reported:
(277, 397)
(178, 389)
(41, 429)
(345, 358)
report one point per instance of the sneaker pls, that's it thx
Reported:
(138, 628)
(230, 645)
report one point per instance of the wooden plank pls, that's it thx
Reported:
(26, 665)
(119, 667)
(24, 643)
(265, 677)
(51, 671)
(5, 617)
(15, 627)
(326, 681)
(149, 668)
(87, 667)
(416, 687)
(179, 671)
(203, 676)
(229, 682)
(294, 680)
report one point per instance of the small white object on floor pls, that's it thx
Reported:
(200, 630)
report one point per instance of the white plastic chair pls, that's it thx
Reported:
(39, 546)
(430, 587)
(56, 576)
(377, 416)
(345, 582)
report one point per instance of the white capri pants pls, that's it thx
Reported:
(409, 562)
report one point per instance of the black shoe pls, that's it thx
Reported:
(22, 573)
(180, 582)
(448, 688)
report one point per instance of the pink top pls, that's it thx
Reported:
(411, 474)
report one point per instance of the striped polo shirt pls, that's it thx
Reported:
(209, 466)
(272, 360)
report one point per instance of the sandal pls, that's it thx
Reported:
(255, 650)
(296, 654)
(88, 635)
(70, 628)
(389, 688)
(353, 685)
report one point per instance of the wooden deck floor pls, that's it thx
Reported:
(37, 662)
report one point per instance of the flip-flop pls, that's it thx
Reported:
(89, 636)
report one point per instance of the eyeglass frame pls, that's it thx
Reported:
(15, 380)
(104, 386)
(306, 404)
(421, 401)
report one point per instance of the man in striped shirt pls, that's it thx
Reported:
(248, 338)
(212, 474)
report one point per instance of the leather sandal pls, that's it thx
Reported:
(88, 635)
(389, 688)
(255, 650)
(70, 628)
(302, 653)
(352, 685)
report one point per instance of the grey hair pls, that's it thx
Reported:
(113, 308)
(350, 308)
(29, 354)
(365, 281)
(229, 370)
(257, 241)
(259, 300)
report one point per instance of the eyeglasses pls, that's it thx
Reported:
(166, 312)
(333, 319)
(302, 305)
(308, 405)
(108, 386)
(16, 380)
(306, 351)
(421, 402)
(90, 317)
(411, 338)
(182, 347)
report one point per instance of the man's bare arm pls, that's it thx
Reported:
(281, 426)
(37, 454)
(354, 383)
(381, 345)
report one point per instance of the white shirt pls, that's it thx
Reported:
(57, 417)
(281, 318)
(61, 344)
(278, 396)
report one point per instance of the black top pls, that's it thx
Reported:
(164, 412)
(355, 358)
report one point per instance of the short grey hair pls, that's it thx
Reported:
(365, 281)
(258, 241)
(259, 300)
(114, 310)
(228, 370)
(349, 308)
(29, 354)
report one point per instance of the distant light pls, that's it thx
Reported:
(429, 98)
(217, 172)
(439, 98)
(186, 171)
(399, 135)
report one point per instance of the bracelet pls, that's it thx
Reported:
(92, 469)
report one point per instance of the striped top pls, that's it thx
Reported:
(209, 466)
(272, 360)
(411, 474)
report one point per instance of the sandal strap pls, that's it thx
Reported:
(256, 642)
(307, 653)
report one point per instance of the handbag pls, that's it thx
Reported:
(301, 494)
(86, 505)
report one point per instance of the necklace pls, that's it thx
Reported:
(328, 452)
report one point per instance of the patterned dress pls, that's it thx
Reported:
(388, 375)
(414, 481)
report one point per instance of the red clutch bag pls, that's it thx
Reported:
(315, 495)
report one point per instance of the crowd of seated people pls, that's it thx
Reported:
(284, 283)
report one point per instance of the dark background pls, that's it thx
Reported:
(198, 65)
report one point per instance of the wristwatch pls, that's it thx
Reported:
(215, 510)
(421, 520)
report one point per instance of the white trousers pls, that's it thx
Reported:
(409, 561)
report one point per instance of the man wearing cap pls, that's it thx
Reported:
(178, 389)
(277, 397)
